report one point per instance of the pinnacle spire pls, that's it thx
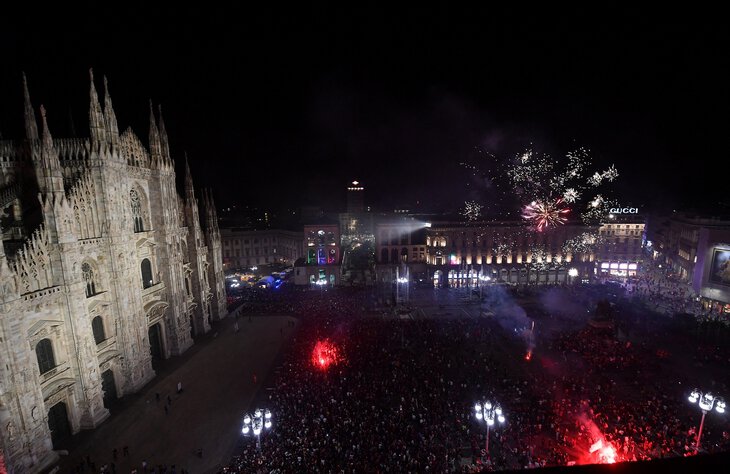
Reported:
(31, 126)
(97, 126)
(189, 190)
(50, 175)
(165, 144)
(47, 138)
(110, 118)
(155, 146)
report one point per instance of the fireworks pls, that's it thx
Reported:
(585, 243)
(609, 175)
(324, 355)
(503, 249)
(540, 257)
(571, 195)
(546, 183)
(472, 210)
(544, 214)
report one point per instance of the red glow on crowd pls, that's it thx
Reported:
(324, 355)
(605, 453)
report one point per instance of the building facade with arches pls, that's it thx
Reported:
(104, 269)
(456, 254)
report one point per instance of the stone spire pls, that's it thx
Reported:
(110, 118)
(211, 216)
(50, 166)
(31, 126)
(155, 146)
(165, 144)
(189, 190)
(97, 125)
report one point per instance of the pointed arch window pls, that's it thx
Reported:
(97, 327)
(136, 204)
(146, 268)
(44, 353)
(88, 275)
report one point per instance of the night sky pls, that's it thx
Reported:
(278, 108)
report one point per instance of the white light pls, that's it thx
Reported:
(692, 398)
(247, 420)
(498, 410)
(267, 414)
(490, 421)
(245, 430)
(267, 424)
(720, 405)
(488, 405)
(257, 431)
(428, 224)
(355, 183)
(573, 272)
(501, 419)
(479, 415)
(478, 407)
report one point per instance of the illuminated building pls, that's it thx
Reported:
(620, 246)
(356, 224)
(694, 248)
(322, 254)
(246, 248)
(111, 272)
(456, 253)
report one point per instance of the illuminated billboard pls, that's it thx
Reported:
(720, 268)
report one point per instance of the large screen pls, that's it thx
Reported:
(720, 269)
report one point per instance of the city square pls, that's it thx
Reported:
(263, 239)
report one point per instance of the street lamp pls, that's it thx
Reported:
(255, 424)
(321, 284)
(705, 401)
(488, 413)
(572, 273)
(401, 281)
(482, 280)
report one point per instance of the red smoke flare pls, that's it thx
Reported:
(324, 355)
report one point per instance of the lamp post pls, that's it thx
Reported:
(482, 280)
(321, 284)
(488, 413)
(572, 273)
(255, 424)
(705, 401)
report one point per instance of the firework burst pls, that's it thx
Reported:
(472, 210)
(545, 214)
(585, 243)
(571, 195)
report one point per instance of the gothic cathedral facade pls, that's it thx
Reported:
(104, 269)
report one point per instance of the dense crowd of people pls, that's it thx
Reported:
(401, 397)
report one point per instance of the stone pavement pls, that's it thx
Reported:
(220, 377)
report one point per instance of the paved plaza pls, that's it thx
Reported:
(220, 377)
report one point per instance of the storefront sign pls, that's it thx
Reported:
(624, 210)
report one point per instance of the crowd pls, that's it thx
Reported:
(401, 398)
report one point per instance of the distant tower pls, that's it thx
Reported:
(355, 198)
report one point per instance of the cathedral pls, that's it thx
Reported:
(104, 270)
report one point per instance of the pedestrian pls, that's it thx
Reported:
(179, 387)
(169, 400)
(125, 451)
